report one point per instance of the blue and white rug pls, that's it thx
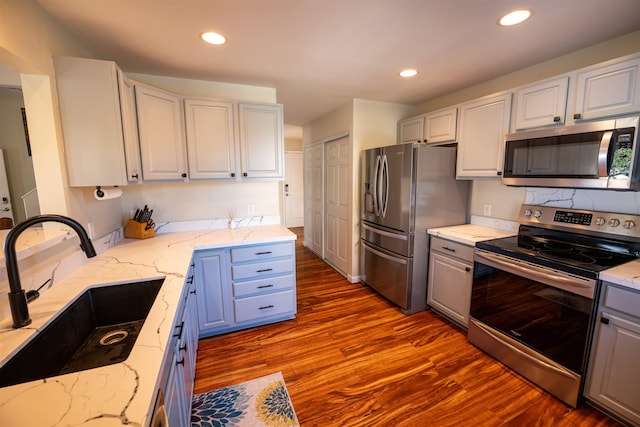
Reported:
(260, 402)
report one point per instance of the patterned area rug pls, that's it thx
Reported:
(260, 402)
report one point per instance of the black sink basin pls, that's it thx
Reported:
(99, 328)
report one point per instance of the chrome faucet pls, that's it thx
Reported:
(17, 298)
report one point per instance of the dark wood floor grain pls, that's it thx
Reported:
(352, 359)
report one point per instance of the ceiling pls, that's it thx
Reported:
(319, 54)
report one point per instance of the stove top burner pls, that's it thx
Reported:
(571, 252)
(571, 256)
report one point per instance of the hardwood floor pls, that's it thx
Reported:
(352, 359)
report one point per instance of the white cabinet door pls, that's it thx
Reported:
(130, 128)
(174, 393)
(261, 140)
(161, 130)
(214, 290)
(449, 289)
(608, 91)
(411, 130)
(211, 139)
(541, 104)
(481, 130)
(615, 373)
(440, 126)
(92, 122)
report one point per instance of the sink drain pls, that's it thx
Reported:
(113, 337)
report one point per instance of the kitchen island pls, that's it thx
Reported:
(123, 393)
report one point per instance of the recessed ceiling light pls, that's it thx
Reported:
(515, 17)
(408, 73)
(213, 38)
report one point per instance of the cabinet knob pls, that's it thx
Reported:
(467, 269)
(556, 119)
(499, 173)
(184, 175)
(244, 174)
(577, 116)
(233, 174)
(604, 320)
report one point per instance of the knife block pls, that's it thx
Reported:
(136, 230)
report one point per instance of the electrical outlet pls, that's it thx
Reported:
(487, 210)
(251, 210)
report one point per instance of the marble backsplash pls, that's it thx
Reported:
(627, 202)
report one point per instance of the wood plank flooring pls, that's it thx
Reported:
(352, 359)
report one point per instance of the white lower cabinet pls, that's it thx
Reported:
(614, 373)
(179, 388)
(450, 279)
(245, 286)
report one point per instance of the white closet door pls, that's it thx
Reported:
(337, 202)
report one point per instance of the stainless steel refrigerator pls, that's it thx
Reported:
(407, 188)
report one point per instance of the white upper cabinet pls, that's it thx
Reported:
(434, 128)
(161, 131)
(130, 128)
(541, 104)
(261, 140)
(608, 90)
(483, 125)
(440, 126)
(211, 139)
(93, 114)
(411, 130)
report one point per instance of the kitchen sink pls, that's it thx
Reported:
(99, 328)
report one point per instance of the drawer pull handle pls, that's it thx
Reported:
(190, 280)
(180, 362)
(183, 348)
(265, 286)
(264, 270)
(265, 307)
(180, 327)
(604, 320)
(264, 253)
(448, 249)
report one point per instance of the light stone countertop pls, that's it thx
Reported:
(123, 392)
(625, 275)
(469, 234)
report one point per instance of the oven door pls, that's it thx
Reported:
(534, 319)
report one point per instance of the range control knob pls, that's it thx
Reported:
(537, 214)
(629, 225)
(614, 222)
(600, 221)
(527, 212)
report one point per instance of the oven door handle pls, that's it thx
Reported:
(585, 287)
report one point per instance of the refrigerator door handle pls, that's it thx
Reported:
(376, 173)
(385, 193)
(386, 233)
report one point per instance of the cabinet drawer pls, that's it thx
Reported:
(621, 300)
(269, 284)
(252, 308)
(258, 269)
(452, 248)
(257, 253)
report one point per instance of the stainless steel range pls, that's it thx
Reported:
(534, 295)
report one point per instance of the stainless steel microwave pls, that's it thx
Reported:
(598, 155)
